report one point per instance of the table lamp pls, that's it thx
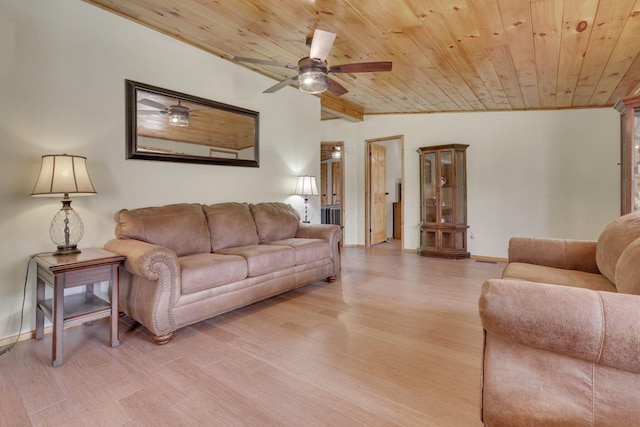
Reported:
(60, 176)
(306, 187)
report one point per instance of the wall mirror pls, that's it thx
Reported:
(172, 126)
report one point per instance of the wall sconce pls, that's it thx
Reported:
(60, 176)
(306, 187)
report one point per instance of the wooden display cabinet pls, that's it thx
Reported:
(443, 204)
(629, 109)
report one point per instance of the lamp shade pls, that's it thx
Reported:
(306, 186)
(63, 174)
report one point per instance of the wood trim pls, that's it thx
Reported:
(24, 336)
(489, 258)
(342, 109)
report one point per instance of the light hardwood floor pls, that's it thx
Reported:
(396, 341)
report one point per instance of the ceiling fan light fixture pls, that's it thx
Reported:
(313, 82)
(179, 116)
(312, 75)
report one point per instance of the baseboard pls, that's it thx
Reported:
(489, 258)
(23, 337)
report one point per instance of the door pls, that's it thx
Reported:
(336, 183)
(323, 184)
(378, 168)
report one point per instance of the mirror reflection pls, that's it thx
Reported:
(167, 125)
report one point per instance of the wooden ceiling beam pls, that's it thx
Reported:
(343, 109)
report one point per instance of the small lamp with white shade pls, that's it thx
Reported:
(62, 175)
(306, 187)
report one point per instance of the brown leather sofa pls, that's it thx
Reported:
(189, 262)
(562, 332)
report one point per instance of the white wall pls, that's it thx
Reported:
(62, 69)
(531, 173)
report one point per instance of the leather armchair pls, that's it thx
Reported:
(562, 332)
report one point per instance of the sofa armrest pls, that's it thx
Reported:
(559, 253)
(143, 258)
(330, 232)
(596, 326)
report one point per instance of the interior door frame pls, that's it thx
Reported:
(342, 175)
(367, 187)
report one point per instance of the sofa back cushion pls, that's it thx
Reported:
(613, 240)
(180, 227)
(230, 225)
(275, 221)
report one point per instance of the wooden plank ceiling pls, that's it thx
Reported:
(448, 55)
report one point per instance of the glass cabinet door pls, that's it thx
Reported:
(429, 188)
(461, 189)
(635, 160)
(629, 109)
(446, 186)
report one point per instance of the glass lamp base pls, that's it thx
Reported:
(66, 229)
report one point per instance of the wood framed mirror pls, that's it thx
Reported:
(165, 125)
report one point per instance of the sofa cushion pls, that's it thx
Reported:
(306, 250)
(613, 240)
(558, 276)
(206, 270)
(275, 221)
(628, 269)
(180, 227)
(263, 259)
(230, 225)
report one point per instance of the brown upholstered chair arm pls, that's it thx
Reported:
(143, 258)
(559, 253)
(600, 327)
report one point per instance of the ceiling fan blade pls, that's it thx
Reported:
(335, 88)
(362, 67)
(146, 112)
(282, 84)
(265, 62)
(321, 44)
(152, 103)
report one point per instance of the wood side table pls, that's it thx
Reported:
(86, 268)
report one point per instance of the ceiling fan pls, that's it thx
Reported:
(313, 74)
(178, 114)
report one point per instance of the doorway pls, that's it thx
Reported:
(332, 182)
(384, 190)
